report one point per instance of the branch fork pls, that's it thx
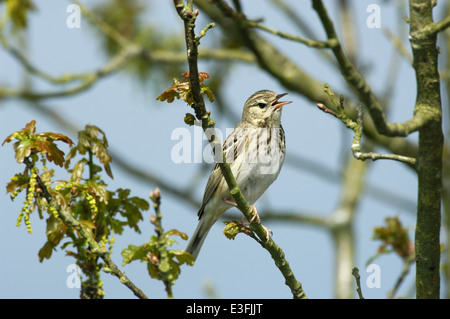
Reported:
(357, 127)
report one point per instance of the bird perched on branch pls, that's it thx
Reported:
(255, 150)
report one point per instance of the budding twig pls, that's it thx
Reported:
(357, 127)
(355, 273)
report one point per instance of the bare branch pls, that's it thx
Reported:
(441, 25)
(355, 273)
(284, 35)
(362, 88)
(407, 263)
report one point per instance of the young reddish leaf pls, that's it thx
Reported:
(50, 136)
(84, 142)
(99, 190)
(30, 127)
(27, 131)
(396, 236)
(46, 251)
(182, 89)
(186, 95)
(10, 138)
(185, 76)
(94, 131)
(30, 143)
(23, 149)
(169, 95)
(189, 119)
(202, 76)
(17, 181)
(53, 153)
(102, 154)
(89, 140)
(77, 172)
(208, 93)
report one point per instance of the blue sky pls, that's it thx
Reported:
(125, 110)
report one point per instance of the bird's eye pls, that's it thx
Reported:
(261, 105)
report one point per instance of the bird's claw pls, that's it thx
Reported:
(258, 220)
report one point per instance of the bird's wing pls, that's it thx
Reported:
(234, 143)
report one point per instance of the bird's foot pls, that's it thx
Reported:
(258, 220)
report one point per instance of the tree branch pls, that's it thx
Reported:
(441, 25)
(429, 160)
(342, 221)
(288, 73)
(357, 127)
(407, 262)
(188, 15)
(284, 35)
(362, 88)
(355, 273)
(86, 80)
(359, 154)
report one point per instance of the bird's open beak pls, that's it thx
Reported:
(277, 104)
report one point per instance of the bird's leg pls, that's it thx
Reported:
(233, 203)
(252, 209)
(230, 202)
(258, 219)
(255, 216)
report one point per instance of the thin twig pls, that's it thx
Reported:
(290, 75)
(357, 81)
(407, 262)
(156, 220)
(355, 273)
(284, 35)
(87, 79)
(401, 49)
(441, 25)
(357, 127)
(358, 154)
(84, 81)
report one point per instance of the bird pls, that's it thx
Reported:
(255, 151)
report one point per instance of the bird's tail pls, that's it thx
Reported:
(204, 225)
